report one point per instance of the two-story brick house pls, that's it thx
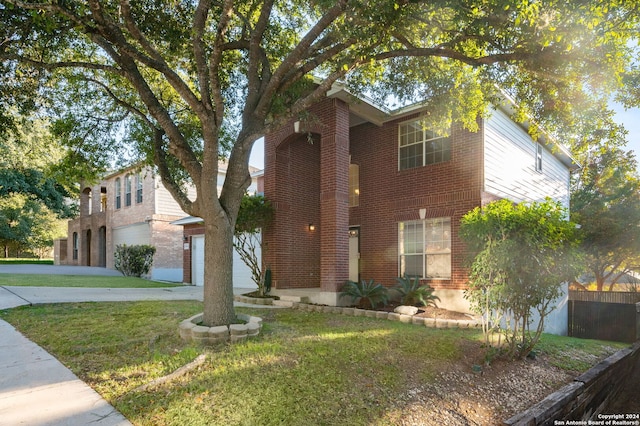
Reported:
(130, 207)
(364, 193)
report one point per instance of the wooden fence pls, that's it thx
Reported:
(604, 321)
(630, 297)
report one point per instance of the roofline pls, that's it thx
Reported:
(365, 108)
(189, 220)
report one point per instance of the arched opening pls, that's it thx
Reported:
(102, 246)
(85, 202)
(88, 248)
(297, 218)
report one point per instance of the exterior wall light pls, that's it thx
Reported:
(312, 227)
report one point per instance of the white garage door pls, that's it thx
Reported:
(241, 272)
(197, 260)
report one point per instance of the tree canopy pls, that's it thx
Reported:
(605, 201)
(182, 83)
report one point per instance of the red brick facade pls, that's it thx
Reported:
(306, 179)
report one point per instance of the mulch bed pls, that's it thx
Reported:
(429, 312)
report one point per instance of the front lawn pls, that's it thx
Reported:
(304, 368)
(41, 280)
(24, 261)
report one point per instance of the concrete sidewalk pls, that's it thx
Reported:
(35, 388)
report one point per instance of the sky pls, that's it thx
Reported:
(629, 118)
(631, 121)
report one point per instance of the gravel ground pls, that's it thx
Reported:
(459, 398)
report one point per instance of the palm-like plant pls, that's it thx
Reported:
(412, 293)
(368, 294)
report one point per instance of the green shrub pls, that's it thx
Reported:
(412, 293)
(368, 294)
(135, 260)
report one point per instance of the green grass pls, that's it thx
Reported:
(21, 261)
(575, 354)
(304, 368)
(31, 280)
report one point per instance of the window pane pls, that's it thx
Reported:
(438, 248)
(354, 185)
(411, 265)
(411, 238)
(438, 150)
(411, 156)
(438, 265)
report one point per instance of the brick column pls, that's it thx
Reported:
(334, 200)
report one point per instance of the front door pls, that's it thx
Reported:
(354, 254)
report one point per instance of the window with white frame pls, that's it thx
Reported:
(118, 193)
(354, 185)
(424, 248)
(127, 190)
(418, 146)
(538, 157)
(138, 188)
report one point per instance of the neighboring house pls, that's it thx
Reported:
(193, 237)
(364, 193)
(131, 207)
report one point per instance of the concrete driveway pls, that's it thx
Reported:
(57, 270)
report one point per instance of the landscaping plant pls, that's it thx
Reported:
(255, 214)
(368, 294)
(522, 253)
(412, 293)
(135, 260)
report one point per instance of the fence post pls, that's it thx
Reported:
(638, 321)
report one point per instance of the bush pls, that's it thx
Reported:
(412, 293)
(368, 294)
(134, 261)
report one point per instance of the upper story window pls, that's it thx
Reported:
(138, 188)
(87, 201)
(103, 199)
(424, 248)
(127, 190)
(419, 146)
(118, 193)
(354, 185)
(538, 157)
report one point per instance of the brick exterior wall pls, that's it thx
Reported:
(303, 178)
(96, 224)
(307, 183)
(389, 196)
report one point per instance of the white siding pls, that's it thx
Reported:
(509, 164)
(165, 203)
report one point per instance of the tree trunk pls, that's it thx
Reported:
(599, 282)
(218, 272)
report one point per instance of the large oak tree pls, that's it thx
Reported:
(190, 81)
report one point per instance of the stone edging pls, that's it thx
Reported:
(254, 300)
(392, 316)
(190, 330)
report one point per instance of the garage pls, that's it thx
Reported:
(241, 272)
